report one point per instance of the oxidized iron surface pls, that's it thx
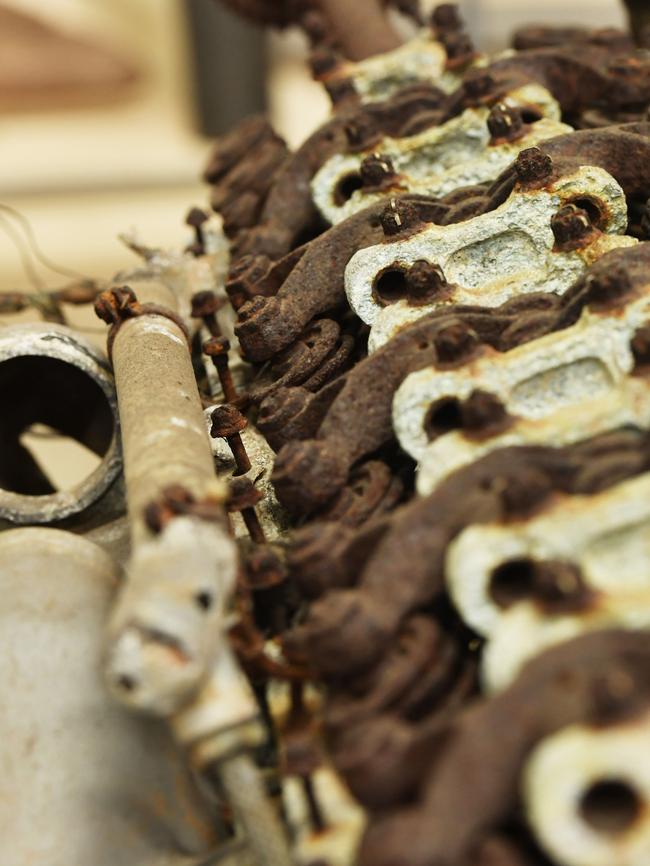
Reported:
(385, 424)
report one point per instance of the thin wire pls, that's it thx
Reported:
(24, 253)
(36, 251)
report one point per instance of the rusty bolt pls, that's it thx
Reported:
(482, 411)
(244, 496)
(425, 280)
(376, 170)
(217, 348)
(446, 17)
(478, 85)
(454, 342)
(205, 306)
(322, 61)
(174, 500)
(359, 131)
(505, 122)
(457, 44)
(570, 226)
(196, 218)
(116, 304)
(398, 217)
(533, 165)
(227, 423)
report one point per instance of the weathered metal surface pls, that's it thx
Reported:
(490, 258)
(605, 537)
(597, 681)
(36, 391)
(461, 152)
(80, 773)
(530, 383)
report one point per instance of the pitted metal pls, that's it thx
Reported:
(460, 152)
(605, 535)
(492, 257)
(561, 771)
(533, 383)
(420, 59)
(527, 630)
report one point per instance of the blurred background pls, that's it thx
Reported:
(108, 107)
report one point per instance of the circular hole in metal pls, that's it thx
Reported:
(390, 286)
(59, 445)
(611, 806)
(346, 187)
(43, 397)
(442, 417)
(512, 581)
(593, 209)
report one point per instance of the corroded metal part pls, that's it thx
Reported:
(606, 536)
(460, 152)
(50, 374)
(89, 775)
(597, 680)
(565, 773)
(556, 389)
(490, 258)
(627, 405)
(273, 518)
(528, 629)
(344, 820)
(183, 272)
(349, 629)
(422, 58)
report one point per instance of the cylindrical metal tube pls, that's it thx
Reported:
(163, 432)
(83, 781)
(51, 375)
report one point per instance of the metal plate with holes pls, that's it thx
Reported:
(536, 385)
(490, 258)
(606, 535)
(421, 59)
(440, 159)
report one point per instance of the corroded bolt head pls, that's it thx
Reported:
(505, 122)
(454, 342)
(570, 225)
(114, 304)
(322, 61)
(533, 165)
(478, 84)
(359, 131)
(398, 217)
(216, 347)
(425, 279)
(227, 421)
(446, 17)
(242, 494)
(482, 410)
(376, 170)
(457, 44)
(196, 217)
(205, 304)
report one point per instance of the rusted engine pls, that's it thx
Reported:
(363, 576)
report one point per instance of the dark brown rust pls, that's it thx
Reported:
(227, 423)
(476, 784)
(218, 349)
(205, 306)
(244, 496)
(347, 631)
